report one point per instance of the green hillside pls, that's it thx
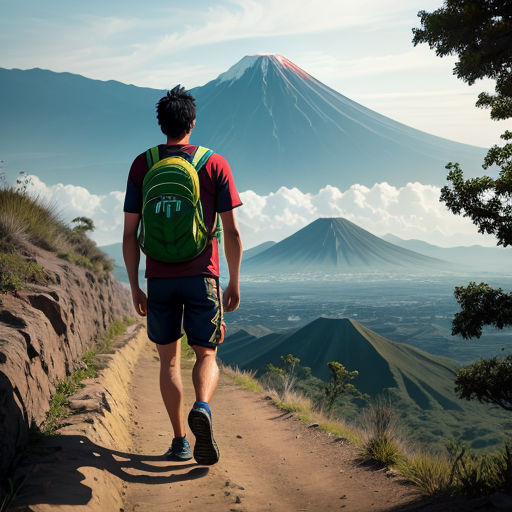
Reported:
(420, 384)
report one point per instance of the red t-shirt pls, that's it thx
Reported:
(218, 194)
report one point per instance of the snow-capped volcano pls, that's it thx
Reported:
(235, 72)
(278, 125)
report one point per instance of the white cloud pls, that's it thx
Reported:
(84, 41)
(245, 19)
(411, 211)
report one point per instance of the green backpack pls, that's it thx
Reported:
(172, 227)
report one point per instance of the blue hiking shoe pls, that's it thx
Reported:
(206, 451)
(179, 450)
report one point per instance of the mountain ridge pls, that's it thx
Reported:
(474, 256)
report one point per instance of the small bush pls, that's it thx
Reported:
(16, 270)
(379, 422)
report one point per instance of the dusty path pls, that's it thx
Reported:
(269, 461)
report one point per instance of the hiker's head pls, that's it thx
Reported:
(176, 112)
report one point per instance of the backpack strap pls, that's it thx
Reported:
(198, 160)
(152, 156)
(201, 156)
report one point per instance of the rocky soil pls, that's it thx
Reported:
(44, 330)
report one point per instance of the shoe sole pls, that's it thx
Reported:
(206, 451)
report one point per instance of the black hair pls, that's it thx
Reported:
(176, 112)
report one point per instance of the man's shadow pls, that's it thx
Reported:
(50, 474)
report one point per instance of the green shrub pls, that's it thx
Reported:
(481, 475)
(116, 328)
(16, 270)
(77, 259)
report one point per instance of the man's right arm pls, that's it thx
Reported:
(131, 255)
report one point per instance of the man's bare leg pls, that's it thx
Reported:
(205, 374)
(170, 384)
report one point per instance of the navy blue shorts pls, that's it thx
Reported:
(191, 304)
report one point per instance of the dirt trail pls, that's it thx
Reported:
(269, 460)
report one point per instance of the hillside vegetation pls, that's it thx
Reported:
(419, 385)
(454, 471)
(25, 220)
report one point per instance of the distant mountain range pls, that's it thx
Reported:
(276, 124)
(88, 131)
(336, 244)
(421, 385)
(491, 259)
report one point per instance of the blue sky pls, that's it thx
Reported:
(362, 49)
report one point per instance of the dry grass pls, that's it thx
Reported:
(292, 401)
(243, 378)
(430, 473)
(23, 218)
(295, 402)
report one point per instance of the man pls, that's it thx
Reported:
(186, 293)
